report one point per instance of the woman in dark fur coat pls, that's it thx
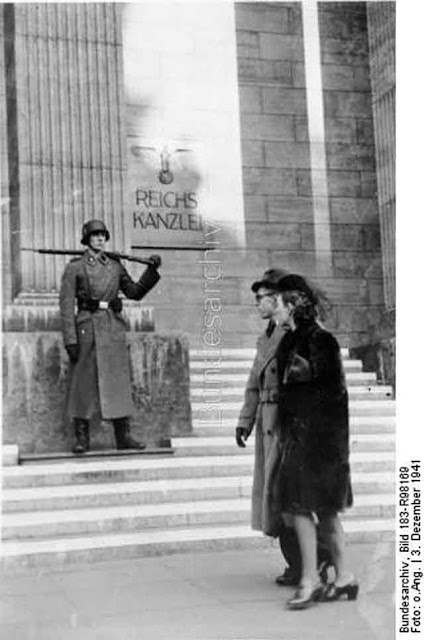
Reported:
(314, 476)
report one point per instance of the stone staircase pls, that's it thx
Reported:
(89, 509)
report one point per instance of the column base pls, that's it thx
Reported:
(40, 312)
(10, 455)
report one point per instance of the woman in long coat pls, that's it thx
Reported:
(313, 476)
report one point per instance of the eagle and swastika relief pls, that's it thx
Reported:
(164, 194)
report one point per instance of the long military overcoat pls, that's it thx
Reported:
(100, 380)
(260, 410)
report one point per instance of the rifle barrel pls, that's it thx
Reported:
(168, 248)
(60, 252)
(77, 252)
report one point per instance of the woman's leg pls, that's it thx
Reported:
(307, 537)
(332, 532)
(310, 589)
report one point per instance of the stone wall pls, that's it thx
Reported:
(281, 225)
(351, 171)
(35, 370)
(275, 151)
(181, 91)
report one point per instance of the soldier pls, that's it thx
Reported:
(95, 339)
(260, 409)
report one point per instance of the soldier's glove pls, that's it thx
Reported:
(73, 352)
(156, 260)
(241, 436)
(116, 305)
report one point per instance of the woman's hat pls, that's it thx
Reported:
(270, 280)
(294, 282)
(93, 226)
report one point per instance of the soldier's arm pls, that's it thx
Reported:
(67, 304)
(137, 290)
(248, 411)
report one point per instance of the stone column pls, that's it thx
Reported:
(4, 165)
(381, 34)
(70, 122)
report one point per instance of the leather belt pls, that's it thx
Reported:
(94, 305)
(268, 395)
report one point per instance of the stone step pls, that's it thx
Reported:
(84, 470)
(359, 460)
(373, 442)
(229, 409)
(199, 380)
(178, 467)
(200, 366)
(370, 392)
(233, 354)
(68, 496)
(21, 555)
(358, 425)
(125, 518)
(217, 444)
(77, 496)
(57, 457)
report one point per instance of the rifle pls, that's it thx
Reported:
(76, 252)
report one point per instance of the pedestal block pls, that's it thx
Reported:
(35, 384)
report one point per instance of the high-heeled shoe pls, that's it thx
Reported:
(334, 592)
(305, 596)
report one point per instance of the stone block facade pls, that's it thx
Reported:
(356, 234)
(279, 190)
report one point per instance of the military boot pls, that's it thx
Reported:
(123, 436)
(82, 435)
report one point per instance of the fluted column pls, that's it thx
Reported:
(381, 32)
(4, 168)
(69, 70)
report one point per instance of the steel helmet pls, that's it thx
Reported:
(93, 226)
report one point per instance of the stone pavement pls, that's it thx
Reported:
(227, 595)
